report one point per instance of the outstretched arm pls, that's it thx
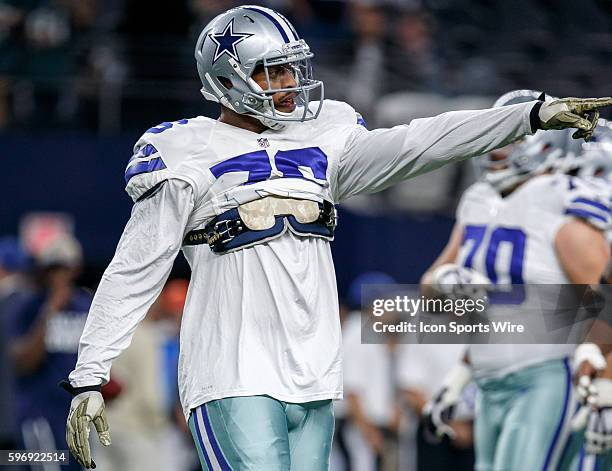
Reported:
(133, 280)
(375, 160)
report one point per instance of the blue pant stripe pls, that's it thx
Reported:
(213, 441)
(199, 434)
(568, 386)
(568, 442)
(581, 460)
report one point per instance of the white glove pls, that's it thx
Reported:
(439, 411)
(581, 113)
(456, 282)
(591, 354)
(86, 408)
(596, 416)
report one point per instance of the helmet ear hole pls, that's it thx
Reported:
(227, 83)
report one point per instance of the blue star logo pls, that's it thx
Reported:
(227, 41)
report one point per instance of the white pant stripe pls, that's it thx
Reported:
(589, 463)
(566, 430)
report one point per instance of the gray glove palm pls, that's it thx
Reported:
(86, 408)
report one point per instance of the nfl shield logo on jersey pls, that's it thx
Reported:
(263, 142)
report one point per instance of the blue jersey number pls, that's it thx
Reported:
(309, 163)
(164, 126)
(475, 234)
(513, 236)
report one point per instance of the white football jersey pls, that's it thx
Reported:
(512, 240)
(604, 188)
(264, 319)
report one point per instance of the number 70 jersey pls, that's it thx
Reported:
(512, 239)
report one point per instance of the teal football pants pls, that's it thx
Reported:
(260, 433)
(523, 418)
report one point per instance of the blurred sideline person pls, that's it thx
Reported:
(590, 446)
(250, 198)
(13, 284)
(143, 412)
(43, 337)
(14, 263)
(370, 385)
(519, 225)
(421, 370)
(340, 458)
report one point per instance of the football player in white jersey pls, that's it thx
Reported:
(590, 447)
(250, 197)
(521, 225)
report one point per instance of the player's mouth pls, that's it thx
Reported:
(287, 104)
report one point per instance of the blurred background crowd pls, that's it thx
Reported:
(80, 80)
(43, 309)
(111, 66)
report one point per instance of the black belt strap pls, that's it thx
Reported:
(226, 226)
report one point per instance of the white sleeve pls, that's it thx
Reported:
(133, 280)
(375, 160)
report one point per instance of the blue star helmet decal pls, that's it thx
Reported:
(227, 41)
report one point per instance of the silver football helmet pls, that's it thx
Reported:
(597, 161)
(234, 43)
(593, 158)
(492, 161)
(531, 156)
(528, 156)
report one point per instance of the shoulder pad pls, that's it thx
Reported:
(477, 192)
(145, 169)
(339, 113)
(160, 153)
(588, 201)
(480, 189)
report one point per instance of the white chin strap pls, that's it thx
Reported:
(270, 123)
(275, 124)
